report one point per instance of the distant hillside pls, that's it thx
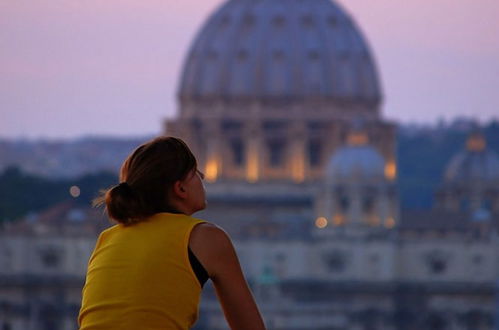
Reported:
(39, 174)
(66, 159)
(22, 194)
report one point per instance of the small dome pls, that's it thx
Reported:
(280, 49)
(475, 164)
(471, 166)
(357, 162)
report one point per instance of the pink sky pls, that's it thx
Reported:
(71, 68)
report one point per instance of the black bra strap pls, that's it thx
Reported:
(198, 268)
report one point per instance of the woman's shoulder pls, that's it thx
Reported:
(208, 232)
(211, 245)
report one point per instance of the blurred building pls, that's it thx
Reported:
(43, 261)
(336, 254)
(66, 159)
(281, 102)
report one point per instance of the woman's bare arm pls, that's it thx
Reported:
(214, 249)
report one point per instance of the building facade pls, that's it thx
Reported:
(281, 102)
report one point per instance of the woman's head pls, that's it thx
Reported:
(159, 176)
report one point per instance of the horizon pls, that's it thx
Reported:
(436, 124)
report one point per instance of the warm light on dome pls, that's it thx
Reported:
(338, 220)
(298, 169)
(476, 143)
(74, 191)
(321, 222)
(252, 169)
(373, 220)
(391, 170)
(357, 139)
(390, 222)
(211, 171)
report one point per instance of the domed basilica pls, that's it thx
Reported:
(281, 102)
(270, 90)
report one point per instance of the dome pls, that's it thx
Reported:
(470, 166)
(280, 49)
(361, 162)
(475, 164)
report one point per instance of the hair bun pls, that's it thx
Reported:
(124, 189)
(146, 177)
(124, 186)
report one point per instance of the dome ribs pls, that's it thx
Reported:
(240, 76)
(230, 52)
(277, 78)
(323, 30)
(193, 68)
(278, 51)
(259, 49)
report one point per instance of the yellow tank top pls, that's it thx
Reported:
(140, 277)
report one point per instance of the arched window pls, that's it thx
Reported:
(276, 153)
(487, 204)
(314, 153)
(237, 150)
(435, 322)
(335, 261)
(368, 205)
(50, 257)
(464, 204)
(51, 317)
(436, 262)
(344, 203)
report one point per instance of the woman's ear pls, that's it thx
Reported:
(179, 190)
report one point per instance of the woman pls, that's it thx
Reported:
(147, 272)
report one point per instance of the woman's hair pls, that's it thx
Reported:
(146, 177)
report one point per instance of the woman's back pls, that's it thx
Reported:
(140, 277)
(140, 274)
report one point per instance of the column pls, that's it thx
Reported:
(298, 145)
(213, 163)
(253, 139)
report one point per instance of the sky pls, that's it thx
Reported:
(70, 68)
